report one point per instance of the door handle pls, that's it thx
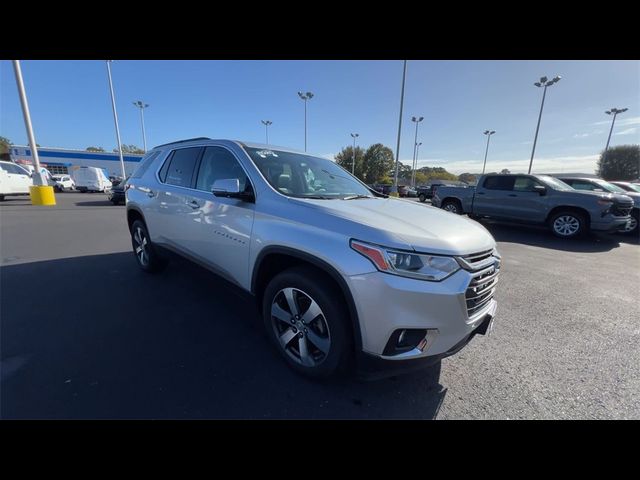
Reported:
(513, 195)
(193, 204)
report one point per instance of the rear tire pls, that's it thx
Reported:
(568, 224)
(452, 206)
(422, 197)
(316, 342)
(146, 255)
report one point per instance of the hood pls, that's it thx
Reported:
(420, 227)
(621, 198)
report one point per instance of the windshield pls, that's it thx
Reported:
(610, 187)
(301, 175)
(632, 187)
(555, 183)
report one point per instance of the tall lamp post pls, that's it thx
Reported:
(544, 82)
(115, 118)
(141, 105)
(353, 161)
(488, 133)
(417, 120)
(305, 97)
(394, 188)
(614, 112)
(266, 124)
(416, 164)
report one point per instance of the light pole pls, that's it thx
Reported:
(614, 112)
(141, 105)
(416, 164)
(417, 120)
(266, 124)
(38, 177)
(353, 162)
(115, 118)
(544, 82)
(305, 97)
(488, 133)
(394, 188)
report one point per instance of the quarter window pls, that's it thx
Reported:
(145, 163)
(218, 164)
(180, 167)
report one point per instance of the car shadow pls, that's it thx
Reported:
(541, 237)
(97, 203)
(102, 339)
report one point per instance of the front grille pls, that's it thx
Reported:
(621, 210)
(481, 289)
(476, 258)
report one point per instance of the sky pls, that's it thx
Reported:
(71, 107)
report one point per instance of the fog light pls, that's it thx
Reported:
(405, 339)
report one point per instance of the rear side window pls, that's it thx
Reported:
(145, 163)
(180, 167)
(218, 164)
(499, 182)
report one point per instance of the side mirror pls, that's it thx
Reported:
(230, 188)
(540, 189)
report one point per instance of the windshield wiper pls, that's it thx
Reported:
(315, 197)
(354, 197)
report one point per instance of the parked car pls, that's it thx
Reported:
(338, 272)
(91, 179)
(63, 182)
(116, 194)
(599, 185)
(426, 192)
(384, 189)
(540, 199)
(627, 186)
(14, 180)
(115, 180)
(412, 192)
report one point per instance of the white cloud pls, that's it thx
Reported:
(628, 131)
(583, 164)
(625, 122)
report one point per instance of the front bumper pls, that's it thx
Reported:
(373, 367)
(609, 223)
(386, 303)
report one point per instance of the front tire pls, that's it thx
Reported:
(422, 197)
(452, 206)
(632, 226)
(307, 323)
(568, 224)
(146, 255)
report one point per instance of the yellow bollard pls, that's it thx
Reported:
(42, 195)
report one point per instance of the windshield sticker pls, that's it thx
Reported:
(267, 153)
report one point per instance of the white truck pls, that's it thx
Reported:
(91, 179)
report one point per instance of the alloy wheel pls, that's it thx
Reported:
(300, 326)
(566, 225)
(141, 246)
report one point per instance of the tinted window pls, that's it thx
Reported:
(217, 164)
(181, 167)
(499, 182)
(524, 184)
(145, 163)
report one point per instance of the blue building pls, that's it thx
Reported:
(59, 160)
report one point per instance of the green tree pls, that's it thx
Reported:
(129, 149)
(378, 161)
(98, 149)
(620, 163)
(344, 158)
(467, 178)
(5, 144)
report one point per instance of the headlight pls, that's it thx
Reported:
(424, 267)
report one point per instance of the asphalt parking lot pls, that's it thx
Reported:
(85, 334)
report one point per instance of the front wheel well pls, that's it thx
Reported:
(579, 210)
(274, 263)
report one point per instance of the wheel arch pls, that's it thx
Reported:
(570, 208)
(133, 214)
(273, 260)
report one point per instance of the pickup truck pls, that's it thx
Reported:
(538, 199)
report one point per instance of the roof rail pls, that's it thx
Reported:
(181, 141)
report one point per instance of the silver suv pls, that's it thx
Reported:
(345, 277)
